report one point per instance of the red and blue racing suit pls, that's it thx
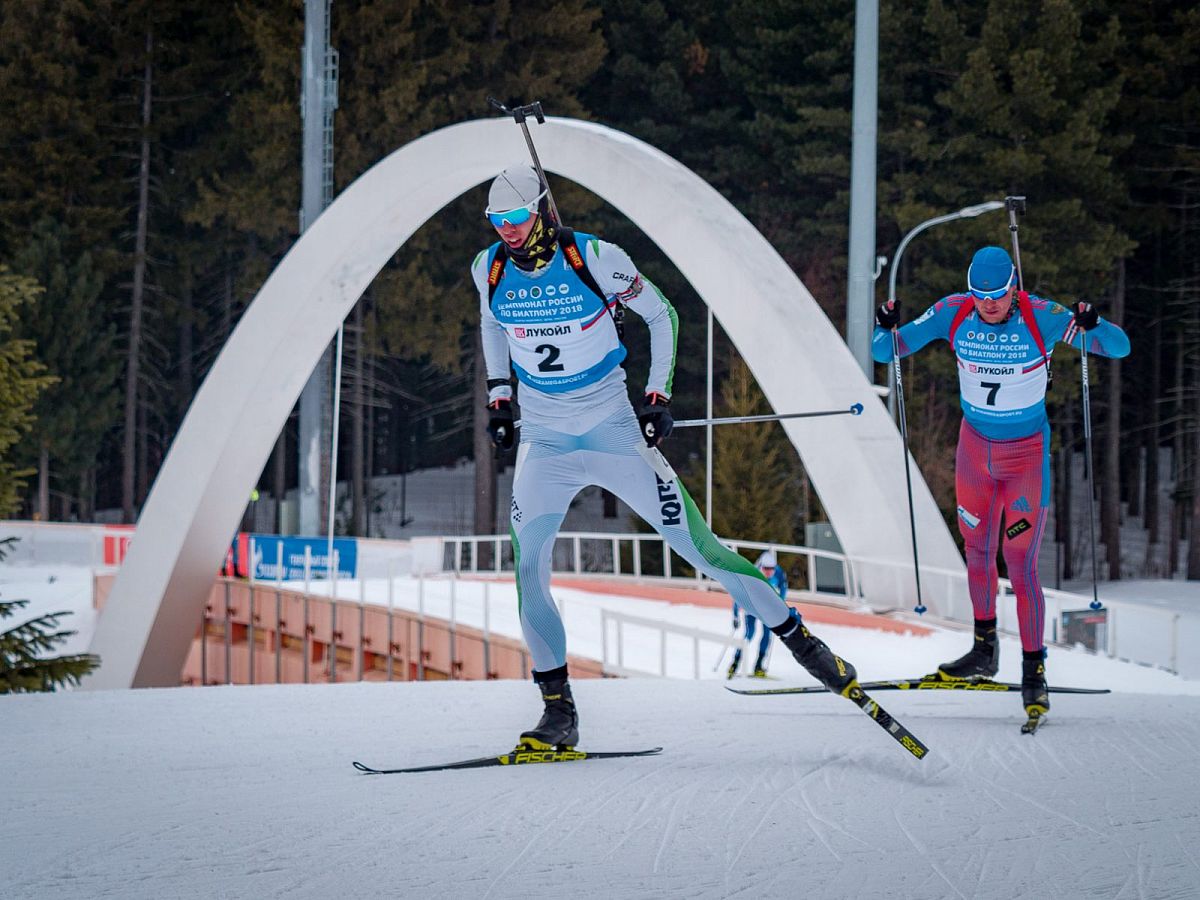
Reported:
(1002, 466)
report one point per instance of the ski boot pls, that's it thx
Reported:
(733, 666)
(820, 662)
(559, 725)
(1034, 693)
(760, 667)
(981, 661)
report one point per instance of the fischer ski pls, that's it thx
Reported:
(905, 738)
(519, 756)
(921, 684)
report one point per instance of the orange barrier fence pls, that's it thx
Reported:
(261, 634)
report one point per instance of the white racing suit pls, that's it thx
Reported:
(578, 428)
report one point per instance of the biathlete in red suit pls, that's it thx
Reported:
(1003, 339)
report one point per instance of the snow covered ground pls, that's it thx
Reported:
(249, 792)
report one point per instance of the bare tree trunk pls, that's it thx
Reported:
(1193, 510)
(357, 457)
(85, 508)
(485, 468)
(1110, 492)
(143, 465)
(1179, 462)
(1150, 507)
(135, 312)
(186, 350)
(43, 493)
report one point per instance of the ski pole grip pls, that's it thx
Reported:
(1015, 205)
(536, 108)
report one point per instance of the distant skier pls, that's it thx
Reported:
(768, 564)
(1003, 340)
(550, 302)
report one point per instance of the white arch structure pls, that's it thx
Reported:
(798, 358)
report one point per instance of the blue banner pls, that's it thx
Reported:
(267, 557)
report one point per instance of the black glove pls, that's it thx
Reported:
(1086, 316)
(888, 316)
(655, 419)
(500, 424)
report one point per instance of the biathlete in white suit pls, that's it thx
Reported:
(550, 301)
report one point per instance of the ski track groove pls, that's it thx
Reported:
(749, 839)
(1125, 752)
(546, 826)
(1051, 811)
(1189, 856)
(1126, 884)
(669, 827)
(925, 856)
(633, 821)
(745, 797)
(828, 823)
(609, 797)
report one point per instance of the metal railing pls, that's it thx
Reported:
(821, 575)
(660, 632)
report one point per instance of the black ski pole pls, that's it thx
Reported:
(1087, 443)
(920, 608)
(519, 115)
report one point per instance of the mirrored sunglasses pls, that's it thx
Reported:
(990, 295)
(518, 216)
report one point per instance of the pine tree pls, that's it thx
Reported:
(22, 380)
(56, 130)
(756, 488)
(66, 323)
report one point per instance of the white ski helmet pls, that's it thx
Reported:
(767, 560)
(515, 187)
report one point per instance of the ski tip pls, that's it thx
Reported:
(366, 769)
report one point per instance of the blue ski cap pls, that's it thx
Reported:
(991, 273)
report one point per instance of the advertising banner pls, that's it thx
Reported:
(266, 557)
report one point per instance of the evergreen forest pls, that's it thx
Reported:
(150, 177)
